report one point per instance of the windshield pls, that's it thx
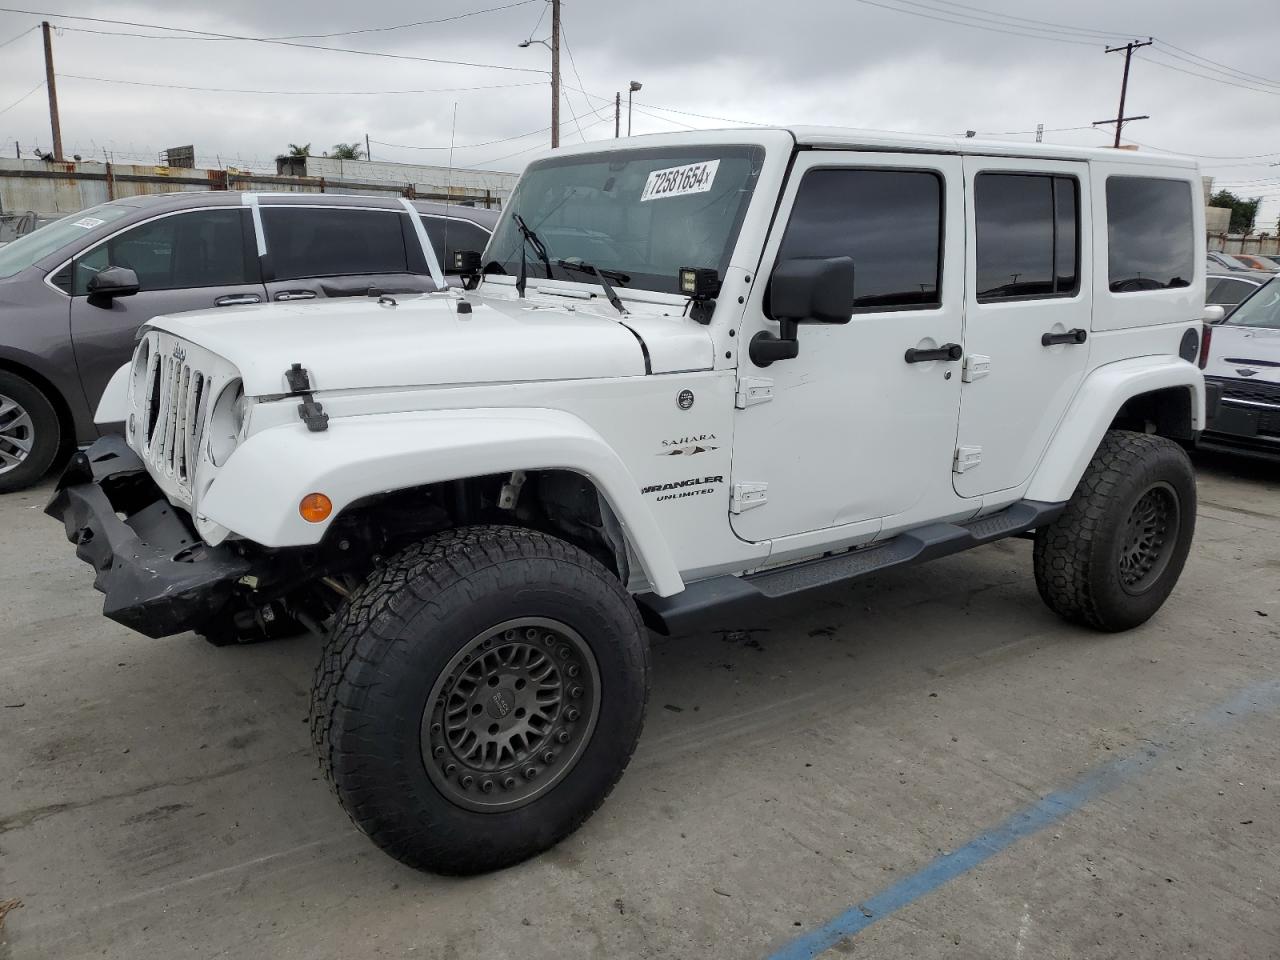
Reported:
(1260, 310)
(25, 251)
(643, 214)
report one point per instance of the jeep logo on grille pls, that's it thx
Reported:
(179, 353)
(500, 705)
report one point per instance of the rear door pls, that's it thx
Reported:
(330, 251)
(1027, 314)
(189, 260)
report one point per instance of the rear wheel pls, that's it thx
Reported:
(479, 697)
(1114, 555)
(30, 436)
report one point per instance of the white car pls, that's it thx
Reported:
(1241, 362)
(692, 371)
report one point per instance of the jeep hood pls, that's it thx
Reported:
(362, 344)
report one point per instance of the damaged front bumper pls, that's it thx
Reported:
(159, 578)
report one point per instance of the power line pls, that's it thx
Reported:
(1043, 23)
(462, 146)
(38, 86)
(21, 35)
(296, 93)
(1003, 19)
(1206, 76)
(401, 26)
(207, 34)
(1223, 66)
(976, 26)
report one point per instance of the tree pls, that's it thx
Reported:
(1243, 212)
(347, 151)
(299, 151)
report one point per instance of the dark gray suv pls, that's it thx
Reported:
(74, 293)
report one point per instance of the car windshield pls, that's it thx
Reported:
(1260, 310)
(643, 214)
(23, 252)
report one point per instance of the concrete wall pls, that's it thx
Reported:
(54, 189)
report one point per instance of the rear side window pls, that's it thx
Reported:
(1150, 236)
(450, 234)
(203, 248)
(888, 221)
(1228, 292)
(315, 242)
(1027, 236)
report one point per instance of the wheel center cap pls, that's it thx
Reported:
(501, 702)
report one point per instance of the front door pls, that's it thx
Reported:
(855, 428)
(190, 260)
(1027, 315)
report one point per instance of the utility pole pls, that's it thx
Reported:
(368, 155)
(1121, 119)
(617, 115)
(555, 74)
(52, 87)
(1039, 133)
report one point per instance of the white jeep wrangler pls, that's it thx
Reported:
(691, 371)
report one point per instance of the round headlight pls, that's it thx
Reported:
(226, 422)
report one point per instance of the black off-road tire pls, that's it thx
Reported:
(399, 636)
(44, 432)
(1085, 563)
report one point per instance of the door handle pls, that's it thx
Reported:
(237, 300)
(1071, 336)
(948, 351)
(296, 295)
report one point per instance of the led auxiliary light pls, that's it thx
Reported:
(466, 262)
(701, 285)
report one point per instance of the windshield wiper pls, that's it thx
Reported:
(604, 276)
(530, 239)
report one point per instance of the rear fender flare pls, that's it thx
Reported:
(1096, 403)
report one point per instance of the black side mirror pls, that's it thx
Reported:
(112, 282)
(818, 290)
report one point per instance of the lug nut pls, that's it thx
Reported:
(571, 714)
(508, 783)
(487, 786)
(575, 692)
(549, 640)
(548, 756)
(563, 736)
(530, 772)
(435, 728)
(573, 670)
(467, 781)
(450, 769)
(438, 751)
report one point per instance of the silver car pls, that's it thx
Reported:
(1241, 360)
(74, 293)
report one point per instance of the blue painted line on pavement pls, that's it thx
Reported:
(1030, 820)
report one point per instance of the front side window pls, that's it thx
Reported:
(1260, 310)
(1150, 234)
(1027, 229)
(307, 242)
(203, 248)
(23, 252)
(641, 214)
(888, 221)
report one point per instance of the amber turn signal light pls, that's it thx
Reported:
(315, 508)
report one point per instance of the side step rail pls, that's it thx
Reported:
(702, 598)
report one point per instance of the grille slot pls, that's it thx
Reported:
(1260, 391)
(176, 406)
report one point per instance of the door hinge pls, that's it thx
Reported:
(976, 366)
(753, 390)
(966, 459)
(747, 496)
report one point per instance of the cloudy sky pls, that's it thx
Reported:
(1211, 84)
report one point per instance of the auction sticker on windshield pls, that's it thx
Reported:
(679, 181)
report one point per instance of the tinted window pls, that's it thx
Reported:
(67, 232)
(311, 242)
(888, 221)
(448, 235)
(1150, 238)
(203, 248)
(1027, 235)
(1229, 292)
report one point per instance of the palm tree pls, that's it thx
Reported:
(299, 151)
(347, 151)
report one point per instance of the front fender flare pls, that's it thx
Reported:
(257, 492)
(1095, 406)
